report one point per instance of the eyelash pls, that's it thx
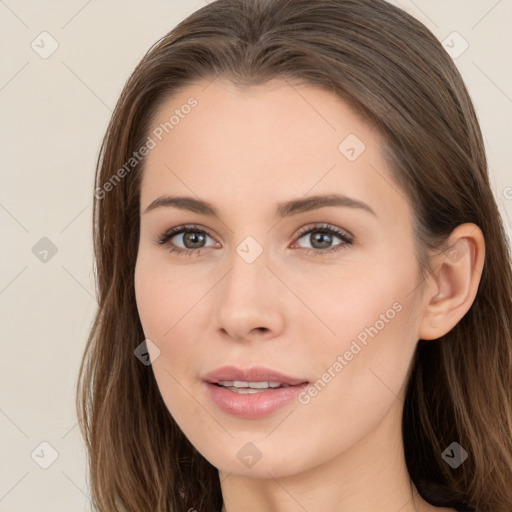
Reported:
(164, 238)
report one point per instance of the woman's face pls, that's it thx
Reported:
(323, 292)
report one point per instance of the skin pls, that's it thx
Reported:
(244, 150)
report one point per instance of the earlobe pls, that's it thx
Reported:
(455, 286)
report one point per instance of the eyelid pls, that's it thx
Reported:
(342, 233)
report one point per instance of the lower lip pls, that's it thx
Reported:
(253, 405)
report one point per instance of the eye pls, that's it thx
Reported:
(321, 238)
(189, 239)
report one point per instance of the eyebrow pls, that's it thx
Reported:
(283, 209)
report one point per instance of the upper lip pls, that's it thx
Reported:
(252, 374)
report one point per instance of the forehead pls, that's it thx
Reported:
(275, 140)
(248, 118)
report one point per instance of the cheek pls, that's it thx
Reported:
(164, 297)
(345, 304)
(369, 336)
(171, 311)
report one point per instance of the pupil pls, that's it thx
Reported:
(324, 239)
(193, 238)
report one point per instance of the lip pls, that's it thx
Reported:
(254, 405)
(252, 374)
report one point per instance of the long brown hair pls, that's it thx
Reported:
(395, 73)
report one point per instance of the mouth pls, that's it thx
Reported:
(253, 392)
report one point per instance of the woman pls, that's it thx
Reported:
(304, 282)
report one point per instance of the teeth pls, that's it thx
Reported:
(250, 385)
(246, 391)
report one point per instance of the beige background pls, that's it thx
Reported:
(54, 112)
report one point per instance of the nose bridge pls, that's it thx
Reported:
(248, 298)
(248, 273)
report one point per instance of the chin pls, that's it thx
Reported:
(258, 459)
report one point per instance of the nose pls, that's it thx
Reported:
(249, 302)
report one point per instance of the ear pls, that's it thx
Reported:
(455, 283)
